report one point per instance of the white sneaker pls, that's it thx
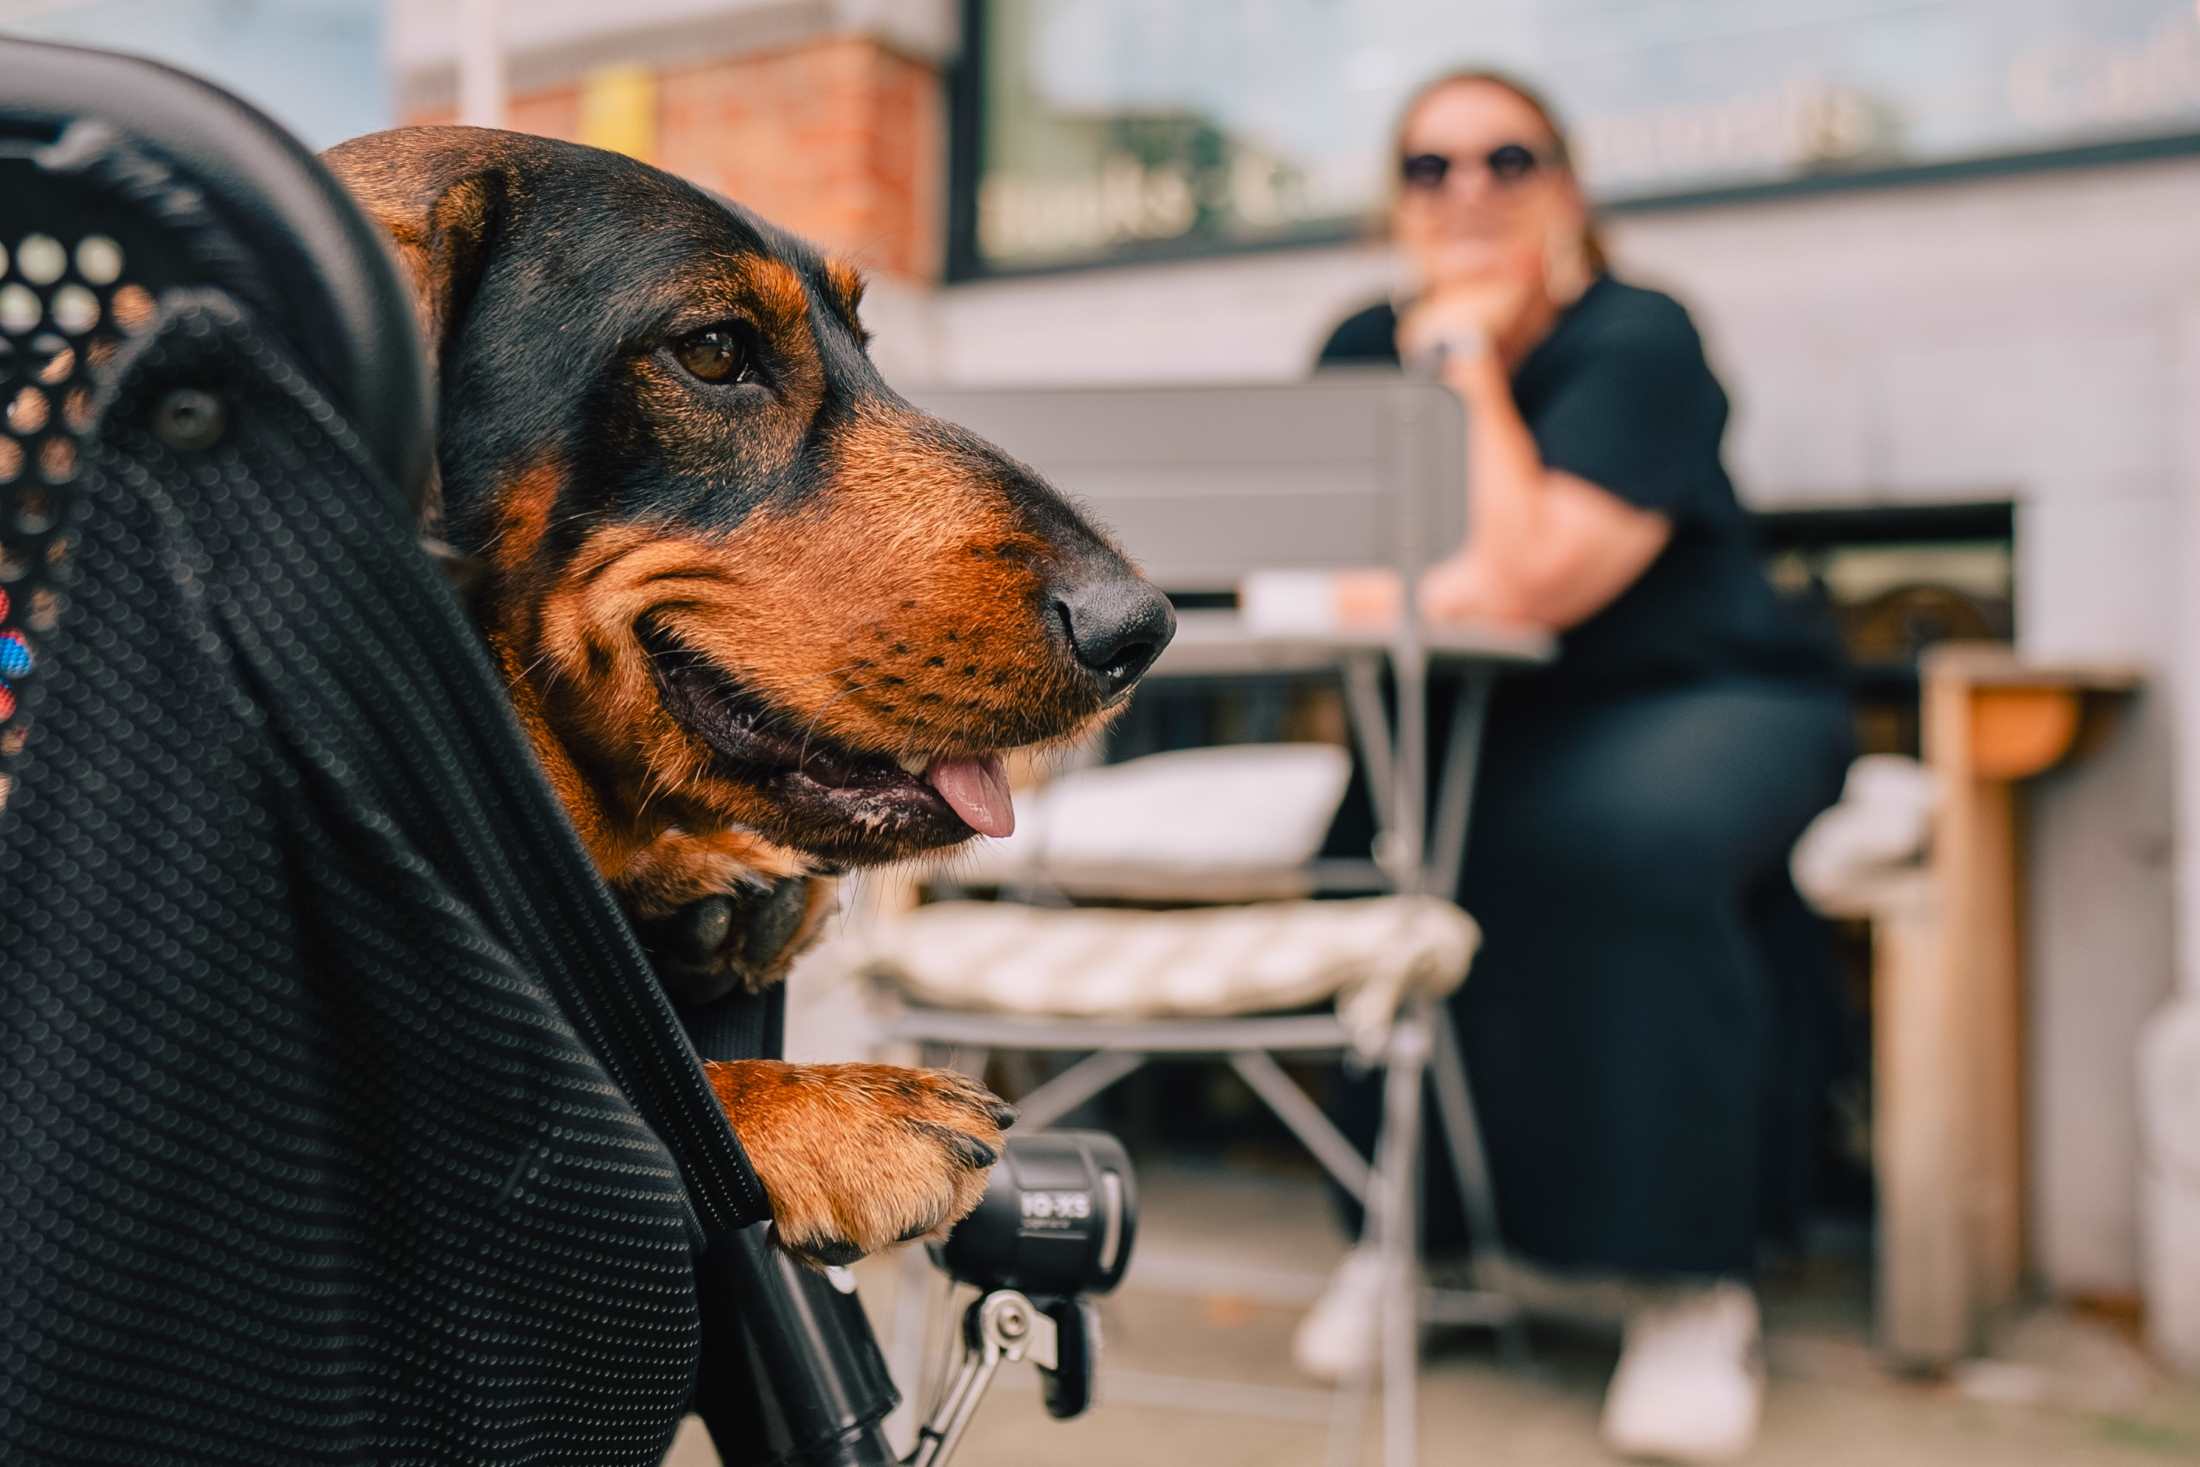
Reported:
(1341, 1335)
(1690, 1384)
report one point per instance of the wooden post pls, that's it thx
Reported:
(1924, 1289)
(1949, 996)
(1975, 865)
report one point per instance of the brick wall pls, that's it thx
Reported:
(841, 139)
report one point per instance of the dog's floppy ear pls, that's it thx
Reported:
(443, 195)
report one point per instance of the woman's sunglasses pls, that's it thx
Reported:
(1507, 163)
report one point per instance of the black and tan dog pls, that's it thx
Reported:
(760, 617)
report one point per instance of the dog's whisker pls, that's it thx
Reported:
(529, 670)
(669, 777)
(654, 782)
(809, 728)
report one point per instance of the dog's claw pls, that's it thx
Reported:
(975, 1153)
(833, 1253)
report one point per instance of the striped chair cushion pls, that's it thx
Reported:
(1366, 956)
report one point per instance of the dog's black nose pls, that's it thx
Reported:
(1116, 622)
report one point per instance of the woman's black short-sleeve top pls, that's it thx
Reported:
(1619, 394)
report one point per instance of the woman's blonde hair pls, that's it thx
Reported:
(1593, 252)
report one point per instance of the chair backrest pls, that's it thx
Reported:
(1203, 484)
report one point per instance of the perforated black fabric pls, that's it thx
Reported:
(344, 1122)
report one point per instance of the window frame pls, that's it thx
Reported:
(963, 261)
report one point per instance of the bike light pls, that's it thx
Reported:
(1057, 1219)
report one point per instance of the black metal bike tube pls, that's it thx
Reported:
(792, 1374)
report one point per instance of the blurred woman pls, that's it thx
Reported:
(1628, 1023)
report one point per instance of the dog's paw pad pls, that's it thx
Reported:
(719, 944)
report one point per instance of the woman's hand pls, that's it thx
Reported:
(1454, 590)
(1366, 598)
(1486, 313)
(1505, 308)
(1461, 589)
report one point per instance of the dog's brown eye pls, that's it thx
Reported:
(714, 354)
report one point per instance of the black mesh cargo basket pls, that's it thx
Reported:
(345, 1121)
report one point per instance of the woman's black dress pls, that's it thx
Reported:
(1638, 1023)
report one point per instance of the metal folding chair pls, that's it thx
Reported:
(1205, 484)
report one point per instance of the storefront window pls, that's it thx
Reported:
(1123, 128)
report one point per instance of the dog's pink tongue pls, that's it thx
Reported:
(978, 791)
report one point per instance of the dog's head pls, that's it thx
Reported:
(731, 575)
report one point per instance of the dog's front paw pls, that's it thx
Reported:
(745, 939)
(721, 910)
(858, 1157)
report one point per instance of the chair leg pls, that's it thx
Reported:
(1470, 1166)
(912, 1341)
(910, 1332)
(1305, 1120)
(1391, 1230)
(1463, 1138)
(1398, 1166)
(1091, 1075)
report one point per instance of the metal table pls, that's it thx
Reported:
(1414, 854)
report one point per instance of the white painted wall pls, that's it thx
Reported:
(2170, 1060)
(2005, 338)
(2186, 324)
